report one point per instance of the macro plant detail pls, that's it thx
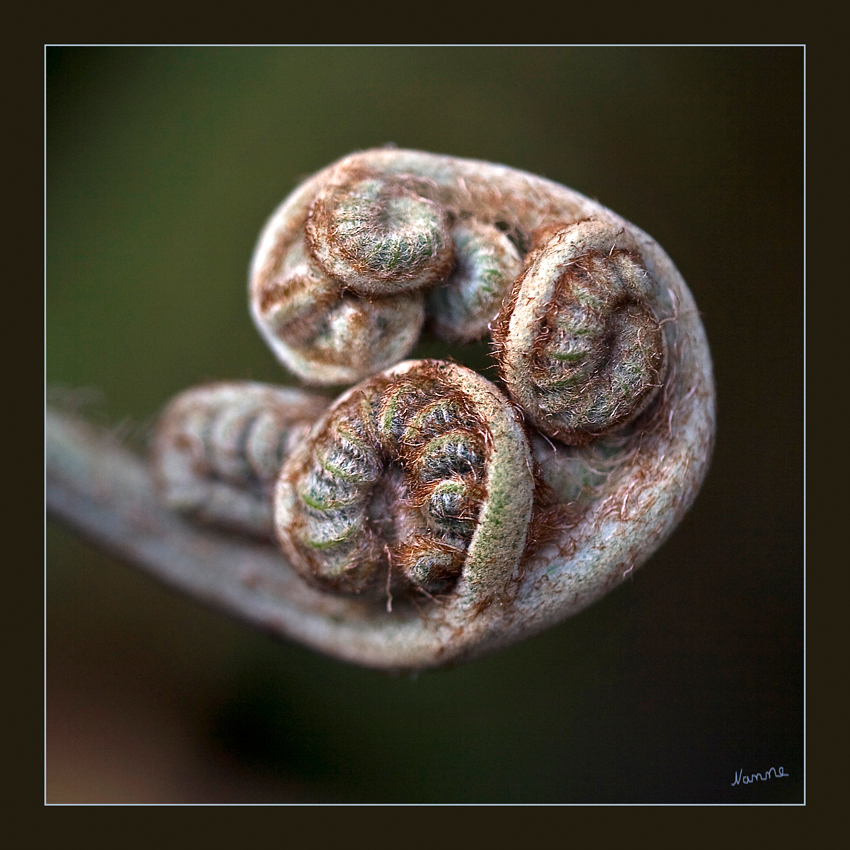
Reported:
(579, 340)
(419, 478)
(219, 448)
(430, 515)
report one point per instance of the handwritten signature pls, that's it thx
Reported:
(772, 773)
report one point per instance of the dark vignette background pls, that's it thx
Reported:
(162, 165)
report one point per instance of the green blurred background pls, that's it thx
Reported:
(162, 166)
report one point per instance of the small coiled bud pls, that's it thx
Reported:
(317, 328)
(379, 236)
(580, 344)
(219, 449)
(464, 308)
(417, 479)
(338, 275)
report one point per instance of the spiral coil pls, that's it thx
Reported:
(491, 511)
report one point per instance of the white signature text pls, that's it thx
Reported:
(772, 773)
